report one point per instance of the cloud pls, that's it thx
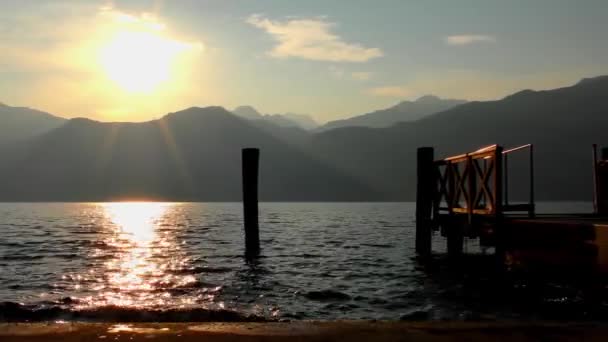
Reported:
(340, 73)
(390, 91)
(337, 72)
(467, 39)
(361, 75)
(311, 39)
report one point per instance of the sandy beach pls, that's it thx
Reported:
(305, 331)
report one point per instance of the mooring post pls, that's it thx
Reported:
(604, 153)
(425, 191)
(601, 191)
(250, 162)
(595, 179)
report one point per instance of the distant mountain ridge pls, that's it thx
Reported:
(194, 154)
(22, 123)
(405, 111)
(593, 79)
(563, 123)
(302, 121)
(248, 112)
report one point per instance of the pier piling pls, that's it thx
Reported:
(250, 163)
(604, 153)
(424, 200)
(455, 236)
(601, 182)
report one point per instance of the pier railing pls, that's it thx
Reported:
(477, 183)
(469, 183)
(525, 207)
(470, 189)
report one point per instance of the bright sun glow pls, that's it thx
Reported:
(139, 61)
(136, 219)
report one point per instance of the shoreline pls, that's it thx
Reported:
(306, 331)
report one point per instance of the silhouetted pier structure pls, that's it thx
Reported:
(467, 196)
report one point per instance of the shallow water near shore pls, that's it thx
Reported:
(184, 262)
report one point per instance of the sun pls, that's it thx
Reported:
(140, 61)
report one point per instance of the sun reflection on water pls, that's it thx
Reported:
(143, 259)
(137, 220)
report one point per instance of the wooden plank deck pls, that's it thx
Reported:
(558, 240)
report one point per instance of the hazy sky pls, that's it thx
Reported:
(139, 59)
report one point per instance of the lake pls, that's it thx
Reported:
(184, 261)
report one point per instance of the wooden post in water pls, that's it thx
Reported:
(601, 170)
(250, 162)
(425, 192)
(595, 179)
(604, 153)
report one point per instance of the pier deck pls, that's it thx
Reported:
(467, 196)
(574, 241)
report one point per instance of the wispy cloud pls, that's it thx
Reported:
(361, 75)
(467, 39)
(390, 91)
(336, 72)
(311, 39)
(340, 73)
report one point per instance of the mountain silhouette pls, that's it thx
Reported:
(304, 121)
(562, 123)
(194, 154)
(21, 123)
(593, 79)
(402, 112)
(284, 120)
(248, 112)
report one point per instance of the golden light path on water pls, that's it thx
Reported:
(144, 259)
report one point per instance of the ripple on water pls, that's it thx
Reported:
(327, 295)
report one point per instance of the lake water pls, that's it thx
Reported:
(184, 261)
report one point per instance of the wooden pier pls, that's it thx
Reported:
(467, 196)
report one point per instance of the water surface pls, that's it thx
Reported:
(319, 261)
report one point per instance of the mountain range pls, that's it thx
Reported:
(405, 111)
(194, 154)
(20, 123)
(302, 121)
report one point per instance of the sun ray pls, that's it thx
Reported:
(176, 155)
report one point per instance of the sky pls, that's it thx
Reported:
(135, 60)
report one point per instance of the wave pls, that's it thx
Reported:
(16, 312)
(327, 295)
(21, 257)
(204, 269)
